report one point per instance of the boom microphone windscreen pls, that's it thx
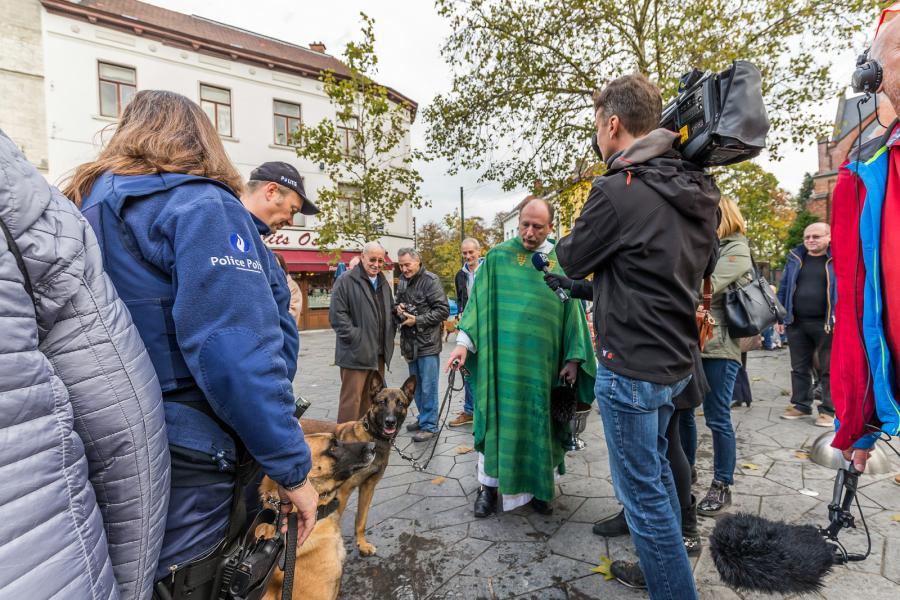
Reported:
(754, 553)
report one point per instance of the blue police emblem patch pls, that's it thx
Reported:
(238, 243)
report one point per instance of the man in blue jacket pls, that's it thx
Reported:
(808, 293)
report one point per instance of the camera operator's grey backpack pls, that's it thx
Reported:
(721, 117)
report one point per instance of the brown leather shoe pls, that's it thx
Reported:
(792, 413)
(461, 419)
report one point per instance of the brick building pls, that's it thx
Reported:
(834, 150)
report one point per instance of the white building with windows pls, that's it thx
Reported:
(68, 68)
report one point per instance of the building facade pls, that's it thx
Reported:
(834, 150)
(70, 68)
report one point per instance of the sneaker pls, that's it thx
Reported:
(792, 413)
(824, 420)
(422, 436)
(414, 426)
(628, 573)
(461, 419)
(717, 499)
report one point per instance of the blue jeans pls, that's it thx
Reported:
(469, 403)
(721, 374)
(426, 369)
(635, 416)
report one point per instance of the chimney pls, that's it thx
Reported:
(317, 47)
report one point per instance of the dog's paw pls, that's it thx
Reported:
(366, 549)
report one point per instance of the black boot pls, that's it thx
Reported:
(693, 543)
(717, 499)
(486, 501)
(613, 526)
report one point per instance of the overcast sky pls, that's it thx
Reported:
(408, 39)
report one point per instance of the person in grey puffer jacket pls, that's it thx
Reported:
(83, 443)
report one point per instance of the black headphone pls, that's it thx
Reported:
(868, 74)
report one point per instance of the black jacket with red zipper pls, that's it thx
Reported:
(648, 234)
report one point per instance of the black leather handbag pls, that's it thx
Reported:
(752, 308)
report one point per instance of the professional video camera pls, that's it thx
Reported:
(721, 117)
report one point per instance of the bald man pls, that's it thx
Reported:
(808, 293)
(519, 342)
(866, 251)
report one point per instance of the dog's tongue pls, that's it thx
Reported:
(389, 430)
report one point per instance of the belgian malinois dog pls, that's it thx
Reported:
(387, 410)
(319, 562)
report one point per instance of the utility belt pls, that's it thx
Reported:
(241, 565)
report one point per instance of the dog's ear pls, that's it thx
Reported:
(376, 384)
(409, 388)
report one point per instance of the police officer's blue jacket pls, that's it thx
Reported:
(211, 304)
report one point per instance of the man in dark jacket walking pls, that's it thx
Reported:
(360, 314)
(646, 232)
(808, 294)
(421, 310)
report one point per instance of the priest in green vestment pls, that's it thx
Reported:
(519, 341)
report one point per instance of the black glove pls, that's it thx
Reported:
(554, 281)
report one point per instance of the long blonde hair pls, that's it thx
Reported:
(732, 220)
(159, 132)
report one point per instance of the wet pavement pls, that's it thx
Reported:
(431, 546)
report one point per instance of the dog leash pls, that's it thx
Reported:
(445, 411)
(290, 556)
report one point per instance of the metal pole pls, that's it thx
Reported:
(415, 235)
(462, 217)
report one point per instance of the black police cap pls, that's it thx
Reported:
(284, 174)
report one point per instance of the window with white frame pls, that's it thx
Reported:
(346, 130)
(216, 103)
(118, 85)
(287, 117)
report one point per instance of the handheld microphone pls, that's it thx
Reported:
(542, 263)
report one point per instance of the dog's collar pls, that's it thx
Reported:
(324, 511)
(372, 430)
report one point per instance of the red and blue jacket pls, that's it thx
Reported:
(863, 378)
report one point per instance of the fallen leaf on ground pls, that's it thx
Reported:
(439, 480)
(603, 568)
(699, 413)
(750, 466)
(802, 454)
(895, 518)
(464, 449)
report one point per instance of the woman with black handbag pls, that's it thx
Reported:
(721, 363)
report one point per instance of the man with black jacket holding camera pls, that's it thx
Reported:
(647, 233)
(421, 310)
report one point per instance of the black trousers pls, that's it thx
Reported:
(808, 340)
(681, 468)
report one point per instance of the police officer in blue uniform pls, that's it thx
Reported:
(209, 300)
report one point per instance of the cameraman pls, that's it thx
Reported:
(647, 233)
(421, 310)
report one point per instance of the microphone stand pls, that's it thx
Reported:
(845, 486)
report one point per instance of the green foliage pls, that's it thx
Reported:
(363, 151)
(794, 236)
(767, 209)
(438, 243)
(806, 190)
(520, 108)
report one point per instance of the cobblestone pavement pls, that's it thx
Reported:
(431, 546)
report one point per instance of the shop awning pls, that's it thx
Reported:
(317, 262)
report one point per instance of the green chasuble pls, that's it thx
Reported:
(523, 337)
